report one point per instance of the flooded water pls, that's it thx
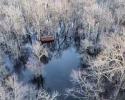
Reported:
(54, 73)
(57, 72)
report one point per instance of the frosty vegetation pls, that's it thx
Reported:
(102, 52)
(99, 25)
(12, 89)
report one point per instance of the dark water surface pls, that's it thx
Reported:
(63, 57)
(57, 72)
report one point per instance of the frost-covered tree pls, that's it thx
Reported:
(12, 89)
(105, 77)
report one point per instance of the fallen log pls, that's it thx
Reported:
(47, 39)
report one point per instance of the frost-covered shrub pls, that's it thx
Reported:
(105, 77)
(34, 65)
(43, 95)
(12, 89)
(6, 65)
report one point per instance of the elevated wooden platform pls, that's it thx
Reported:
(47, 39)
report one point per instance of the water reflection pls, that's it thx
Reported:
(57, 71)
(44, 59)
(38, 81)
(62, 59)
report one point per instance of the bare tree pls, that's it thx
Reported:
(12, 89)
(104, 79)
